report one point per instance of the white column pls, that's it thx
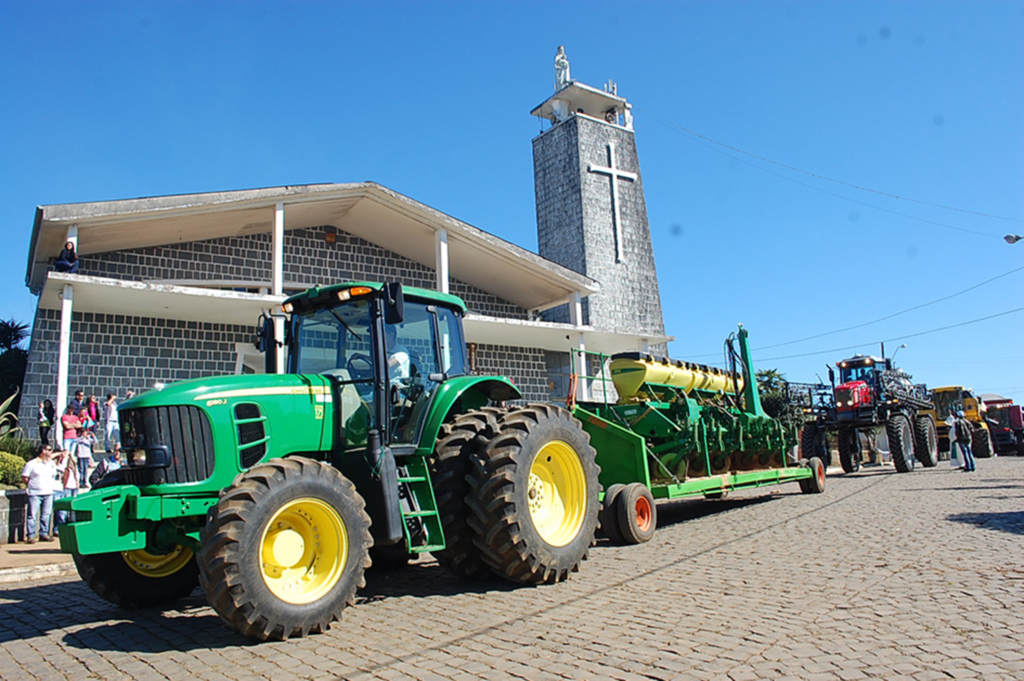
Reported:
(63, 356)
(575, 309)
(441, 259)
(580, 366)
(72, 236)
(277, 280)
(277, 273)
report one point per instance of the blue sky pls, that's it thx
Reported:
(923, 100)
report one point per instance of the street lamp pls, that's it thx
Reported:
(1013, 238)
(897, 352)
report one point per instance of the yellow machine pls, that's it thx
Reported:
(948, 400)
(631, 371)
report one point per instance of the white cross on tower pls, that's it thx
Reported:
(615, 174)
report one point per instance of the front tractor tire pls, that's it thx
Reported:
(142, 578)
(285, 549)
(901, 442)
(849, 450)
(926, 441)
(534, 496)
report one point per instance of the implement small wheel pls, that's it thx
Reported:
(816, 483)
(285, 549)
(535, 496)
(638, 516)
(610, 513)
(142, 578)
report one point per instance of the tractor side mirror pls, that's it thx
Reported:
(267, 344)
(888, 364)
(394, 303)
(831, 376)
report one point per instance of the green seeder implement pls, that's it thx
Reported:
(678, 430)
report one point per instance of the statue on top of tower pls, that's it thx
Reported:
(561, 69)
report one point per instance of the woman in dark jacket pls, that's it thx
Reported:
(67, 261)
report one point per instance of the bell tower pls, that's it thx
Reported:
(591, 213)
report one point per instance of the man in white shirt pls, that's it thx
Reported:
(398, 357)
(40, 479)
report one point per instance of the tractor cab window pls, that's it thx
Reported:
(999, 416)
(861, 373)
(453, 346)
(412, 349)
(946, 403)
(336, 342)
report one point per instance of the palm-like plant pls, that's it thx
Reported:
(12, 333)
(13, 362)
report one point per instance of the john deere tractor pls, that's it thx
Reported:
(275, 491)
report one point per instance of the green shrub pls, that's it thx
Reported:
(11, 466)
(18, 445)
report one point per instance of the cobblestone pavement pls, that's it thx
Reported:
(915, 576)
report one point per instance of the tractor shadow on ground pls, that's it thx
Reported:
(423, 579)
(39, 609)
(1002, 521)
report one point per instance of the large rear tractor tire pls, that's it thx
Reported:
(981, 443)
(535, 496)
(459, 441)
(901, 442)
(143, 578)
(816, 483)
(638, 516)
(926, 441)
(285, 549)
(849, 450)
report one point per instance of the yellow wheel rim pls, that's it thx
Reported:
(557, 493)
(157, 564)
(303, 551)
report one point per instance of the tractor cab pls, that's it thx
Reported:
(858, 382)
(385, 352)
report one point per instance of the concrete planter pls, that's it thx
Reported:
(13, 513)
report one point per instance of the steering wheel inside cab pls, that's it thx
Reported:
(360, 367)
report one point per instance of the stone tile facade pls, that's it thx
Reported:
(525, 366)
(115, 353)
(575, 227)
(309, 259)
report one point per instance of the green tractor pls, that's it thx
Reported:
(275, 492)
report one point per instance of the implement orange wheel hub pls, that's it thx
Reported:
(644, 514)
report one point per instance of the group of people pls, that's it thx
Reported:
(56, 474)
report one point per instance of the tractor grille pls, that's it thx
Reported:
(185, 433)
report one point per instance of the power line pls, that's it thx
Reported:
(825, 177)
(897, 338)
(873, 321)
(894, 314)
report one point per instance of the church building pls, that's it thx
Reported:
(171, 288)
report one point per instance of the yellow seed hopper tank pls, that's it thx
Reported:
(631, 371)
